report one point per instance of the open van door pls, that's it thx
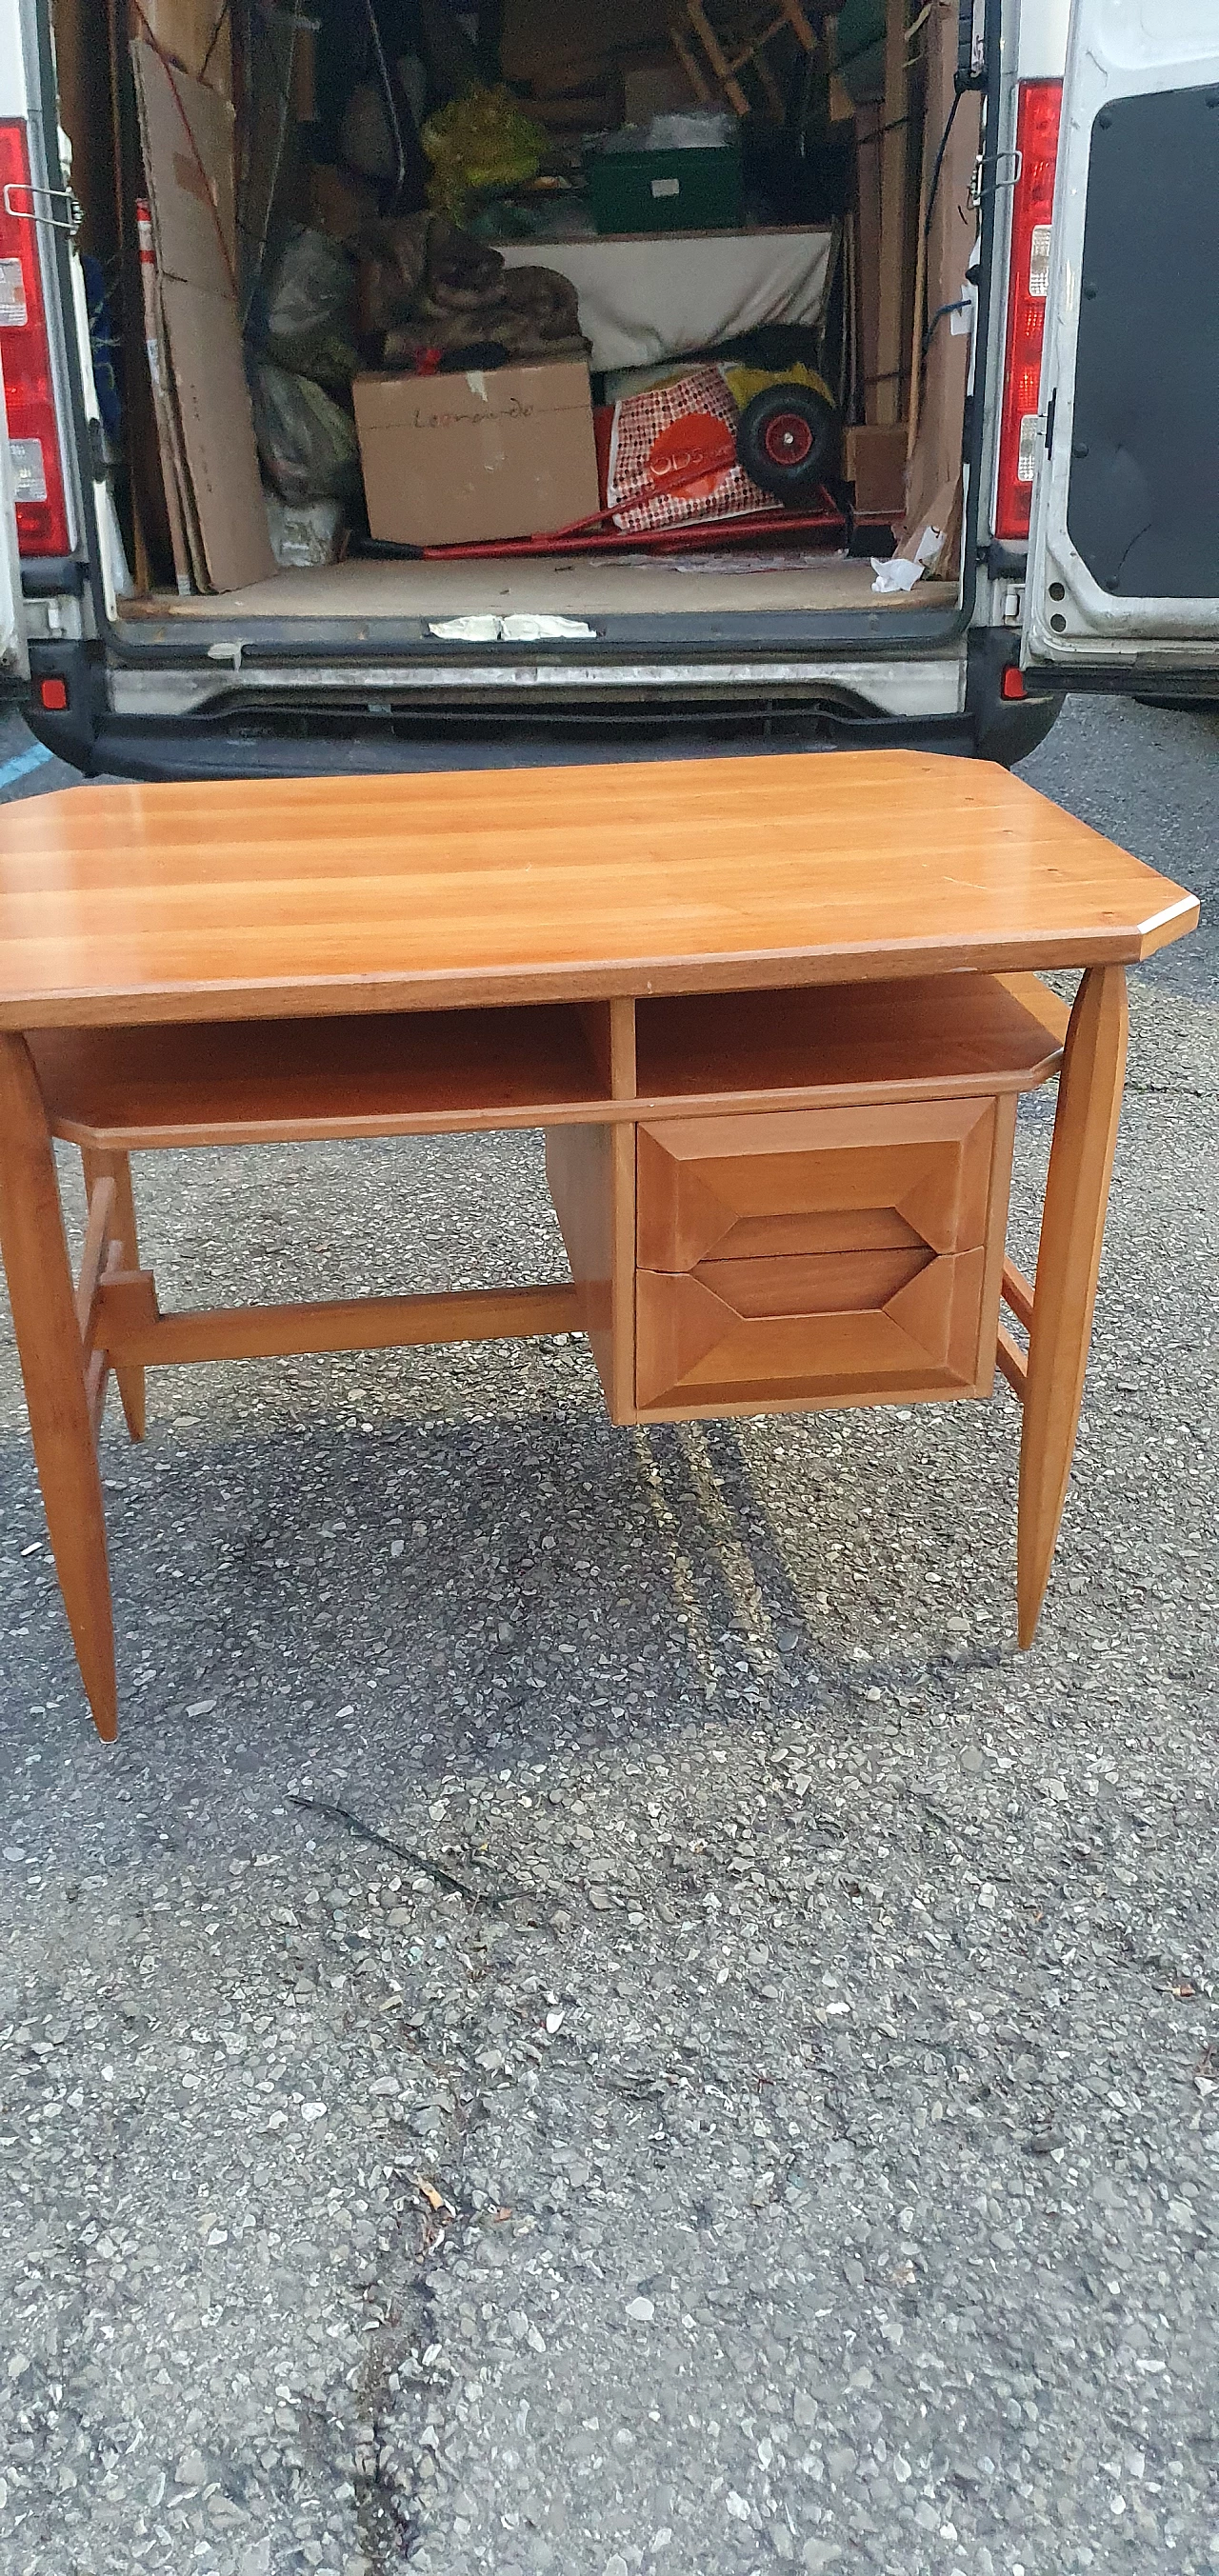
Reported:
(1123, 566)
(14, 654)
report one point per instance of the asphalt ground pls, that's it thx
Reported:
(792, 2143)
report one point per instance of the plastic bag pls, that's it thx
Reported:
(307, 444)
(482, 141)
(697, 129)
(673, 459)
(305, 533)
(308, 305)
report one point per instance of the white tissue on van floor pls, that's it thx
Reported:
(519, 629)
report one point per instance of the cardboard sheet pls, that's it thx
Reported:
(194, 32)
(933, 479)
(158, 370)
(209, 456)
(177, 459)
(213, 403)
(187, 136)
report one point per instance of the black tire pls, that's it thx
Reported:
(787, 441)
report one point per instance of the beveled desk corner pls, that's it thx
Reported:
(774, 1015)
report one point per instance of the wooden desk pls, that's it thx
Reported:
(773, 1013)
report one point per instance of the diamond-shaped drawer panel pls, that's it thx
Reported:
(913, 1175)
(772, 1332)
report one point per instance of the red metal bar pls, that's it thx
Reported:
(587, 538)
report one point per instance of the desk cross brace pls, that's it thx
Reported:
(1018, 1296)
(129, 1329)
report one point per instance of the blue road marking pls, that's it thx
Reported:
(22, 763)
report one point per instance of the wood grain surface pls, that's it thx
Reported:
(376, 1074)
(252, 898)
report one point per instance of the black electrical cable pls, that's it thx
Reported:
(214, 38)
(939, 164)
(387, 97)
(961, 306)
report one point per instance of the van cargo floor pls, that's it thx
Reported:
(558, 585)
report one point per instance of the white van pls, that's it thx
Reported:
(1089, 520)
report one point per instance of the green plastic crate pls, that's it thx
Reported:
(666, 192)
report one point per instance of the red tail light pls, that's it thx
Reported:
(29, 393)
(1028, 277)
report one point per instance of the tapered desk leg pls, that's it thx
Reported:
(1068, 1261)
(49, 1348)
(117, 1167)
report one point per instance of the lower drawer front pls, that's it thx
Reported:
(831, 1328)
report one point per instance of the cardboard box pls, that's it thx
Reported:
(457, 460)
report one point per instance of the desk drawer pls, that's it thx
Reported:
(907, 1176)
(830, 1328)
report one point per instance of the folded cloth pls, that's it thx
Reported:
(673, 294)
(425, 284)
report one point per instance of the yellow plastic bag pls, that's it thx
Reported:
(744, 382)
(481, 142)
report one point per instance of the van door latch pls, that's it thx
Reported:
(42, 200)
(999, 170)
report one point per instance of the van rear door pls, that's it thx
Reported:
(1123, 568)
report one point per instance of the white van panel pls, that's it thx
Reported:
(1041, 46)
(1178, 37)
(909, 688)
(1123, 56)
(13, 94)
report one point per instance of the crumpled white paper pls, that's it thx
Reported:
(900, 572)
(896, 574)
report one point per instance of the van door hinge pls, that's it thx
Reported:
(1051, 407)
(42, 200)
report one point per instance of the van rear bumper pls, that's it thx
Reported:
(318, 736)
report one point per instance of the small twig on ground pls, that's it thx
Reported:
(418, 1860)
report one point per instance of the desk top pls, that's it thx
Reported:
(250, 900)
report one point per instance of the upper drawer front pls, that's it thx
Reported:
(814, 1180)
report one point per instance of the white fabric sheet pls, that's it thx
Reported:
(645, 298)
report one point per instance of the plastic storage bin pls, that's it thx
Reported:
(664, 192)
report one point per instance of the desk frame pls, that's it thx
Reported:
(72, 1334)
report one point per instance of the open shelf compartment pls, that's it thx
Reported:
(290, 1081)
(929, 1036)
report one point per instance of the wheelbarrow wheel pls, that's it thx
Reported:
(787, 440)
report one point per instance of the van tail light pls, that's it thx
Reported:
(1037, 124)
(29, 394)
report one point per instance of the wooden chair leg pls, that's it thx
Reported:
(49, 1348)
(1068, 1261)
(117, 1167)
